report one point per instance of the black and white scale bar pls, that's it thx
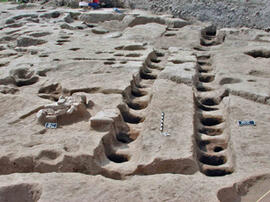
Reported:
(162, 122)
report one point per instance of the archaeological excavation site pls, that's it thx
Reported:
(126, 104)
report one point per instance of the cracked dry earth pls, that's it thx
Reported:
(105, 78)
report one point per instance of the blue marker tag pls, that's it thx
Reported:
(117, 10)
(51, 125)
(246, 123)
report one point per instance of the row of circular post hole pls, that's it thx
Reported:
(211, 122)
(210, 37)
(136, 98)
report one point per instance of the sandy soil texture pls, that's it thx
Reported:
(103, 106)
(223, 13)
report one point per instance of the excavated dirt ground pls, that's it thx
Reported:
(129, 68)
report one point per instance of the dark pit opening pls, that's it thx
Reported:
(211, 121)
(177, 61)
(128, 117)
(207, 146)
(74, 49)
(154, 60)
(228, 80)
(144, 75)
(171, 29)
(213, 160)
(259, 53)
(64, 37)
(203, 70)
(160, 54)
(124, 138)
(131, 119)
(218, 149)
(137, 93)
(203, 88)
(133, 55)
(43, 56)
(54, 98)
(203, 57)
(63, 41)
(205, 108)
(169, 34)
(216, 172)
(137, 106)
(117, 158)
(204, 62)
(119, 48)
(109, 63)
(42, 73)
(209, 102)
(41, 34)
(119, 54)
(52, 88)
(209, 31)
(199, 49)
(206, 78)
(202, 144)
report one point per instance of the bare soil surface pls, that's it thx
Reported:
(145, 107)
(223, 13)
